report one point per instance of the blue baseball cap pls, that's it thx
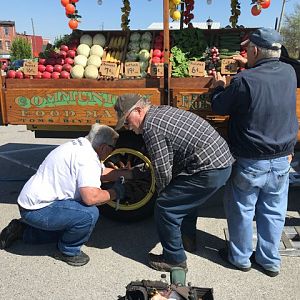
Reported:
(265, 38)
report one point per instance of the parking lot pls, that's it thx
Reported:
(118, 251)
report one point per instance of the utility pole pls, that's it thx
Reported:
(33, 35)
(281, 15)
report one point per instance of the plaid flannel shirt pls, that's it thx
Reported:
(180, 142)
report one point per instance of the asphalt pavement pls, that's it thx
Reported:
(118, 251)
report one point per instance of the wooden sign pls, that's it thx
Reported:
(30, 67)
(229, 66)
(108, 69)
(197, 68)
(132, 69)
(157, 70)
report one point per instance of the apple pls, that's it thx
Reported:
(49, 68)
(38, 75)
(26, 76)
(57, 68)
(71, 53)
(42, 61)
(11, 74)
(46, 75)
(67, 67)
(41, 68)
(155, 60)
(64, 48)
(59, 61)
(19, 75)
(62, 54)
(55, 75)
(157, 53)
(162, 60)
(65, 75)
(69, 61)
(50, 61)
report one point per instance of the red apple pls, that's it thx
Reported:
(41, 68)
(57, 68)
(162, 60)
(155, 60)
(65, 75)
(55, 75)
(157, 53)
(26, 76)
(11, 74)
(62, 54)
(67, 67)
(69, 61)
(19, 75)
(38, 75)
(71, 53)
(50, 61)
(49, 68)
(73, 46)
(46, 75)
(42, 61)
(64, 48)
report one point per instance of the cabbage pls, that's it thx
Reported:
(145, 45)
(143, 74)
(134, 46)
(80, 60)
(99, 39)
(83, 49)
(144, 65)
(96, 50)
(144, 55)
(77, 71)
(91, 72)
(86, 39)
(132, 55)
(135, 37)
(147, 36)
(94, 60)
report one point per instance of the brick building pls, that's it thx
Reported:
(7, 34)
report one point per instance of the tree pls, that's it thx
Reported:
(291, 32)
(20, 49)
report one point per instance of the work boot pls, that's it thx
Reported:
(158, 262)
(12, 232)
(224, 255)
(76, 261)
(189, 243)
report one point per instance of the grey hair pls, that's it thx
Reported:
(102, 134)
(268, 53)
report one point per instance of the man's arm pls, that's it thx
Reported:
(110, 174)
(96, 196)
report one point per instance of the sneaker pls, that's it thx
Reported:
(12, 232)
(189, 244)
(76, 261)
(224, 255)
(157, 262)
(267, 272)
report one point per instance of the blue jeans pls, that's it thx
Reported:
(176, 208)
(69, 223)
(260, 188)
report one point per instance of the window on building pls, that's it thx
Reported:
(1, 46)
(7, 45)
(6, 30)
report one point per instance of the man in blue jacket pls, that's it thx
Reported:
(263, 127)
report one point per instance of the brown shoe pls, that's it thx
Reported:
(12, 232)
(157, 262)
(189, 244)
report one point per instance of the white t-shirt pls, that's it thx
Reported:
(67, 168)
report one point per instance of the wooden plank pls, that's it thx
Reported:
(286, 241)
(76, 106)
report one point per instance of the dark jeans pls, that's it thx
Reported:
(176, 208)
(67, 222)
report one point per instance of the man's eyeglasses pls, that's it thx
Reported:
(126, 123)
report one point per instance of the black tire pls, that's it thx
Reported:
(141, 208)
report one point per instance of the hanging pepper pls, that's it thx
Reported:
(235, 12)
(187, 14)
(125, 16)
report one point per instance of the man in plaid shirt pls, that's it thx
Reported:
(191, 162)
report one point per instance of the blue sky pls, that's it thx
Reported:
(50, 21)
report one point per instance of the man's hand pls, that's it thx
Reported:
(140, 173)
(242, 61)
(219, 80)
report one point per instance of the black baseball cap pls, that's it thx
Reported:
(265, 38)
(123, 105)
